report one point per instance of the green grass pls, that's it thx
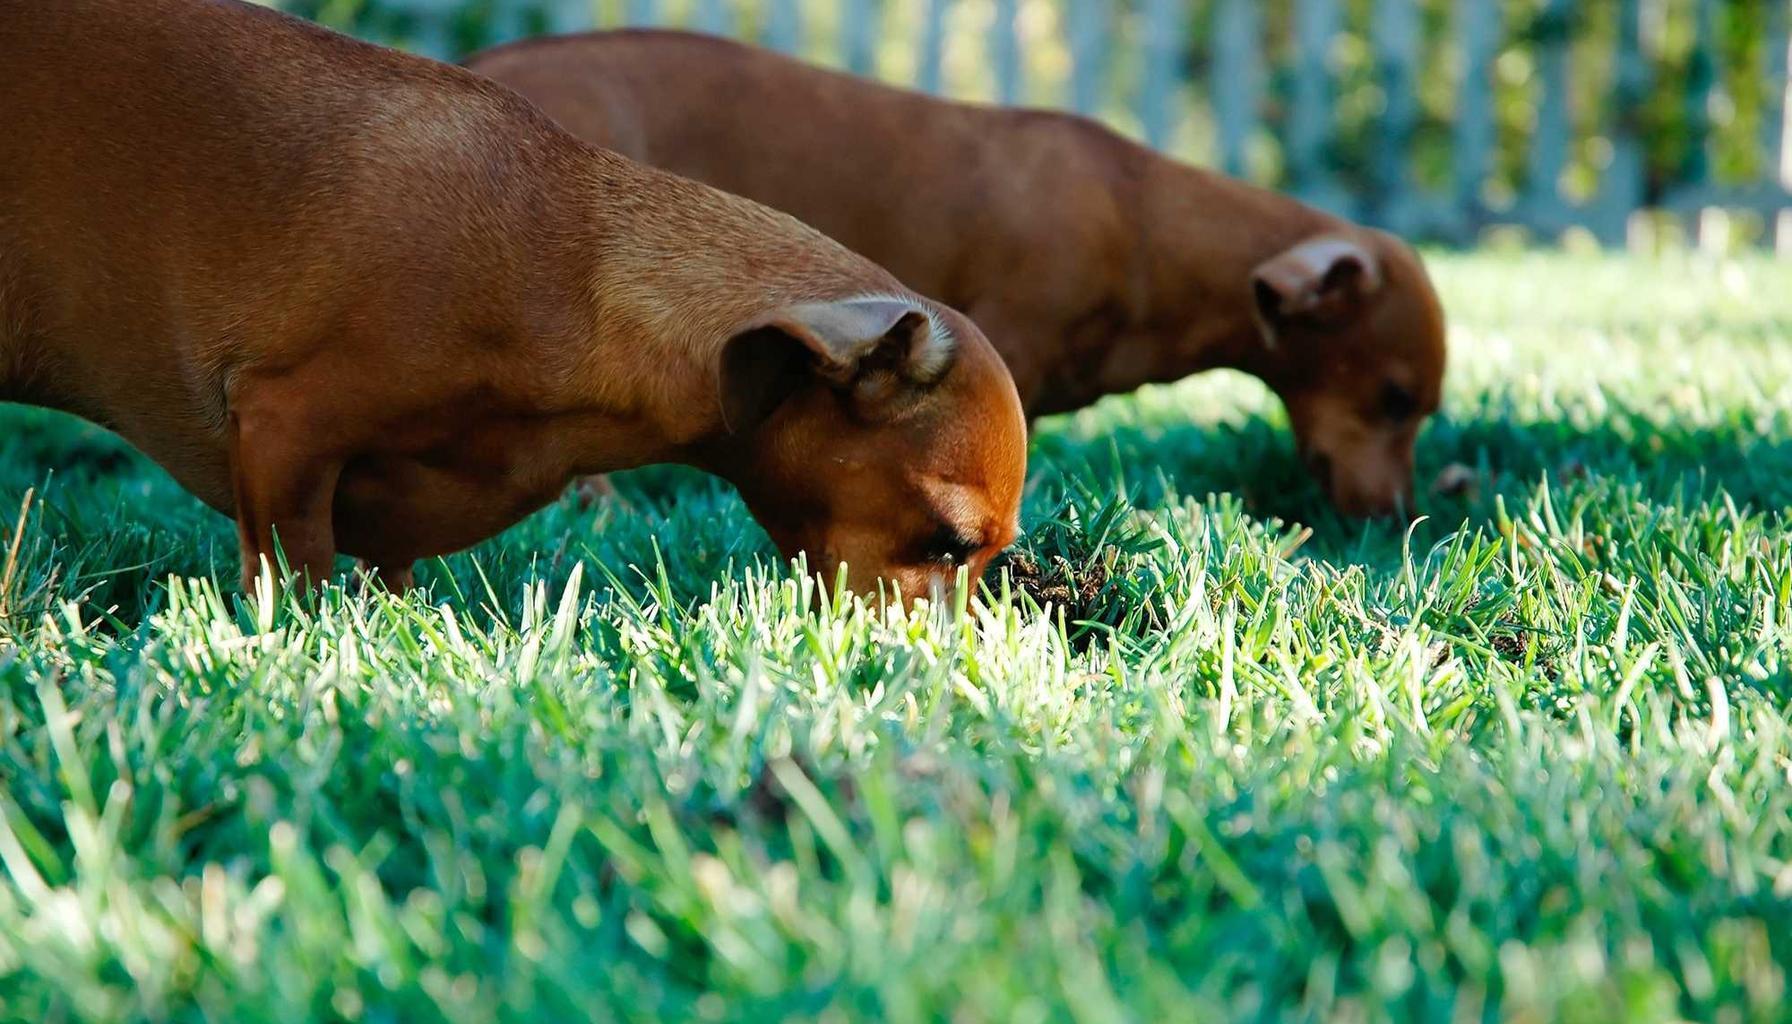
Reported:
(1530, 760)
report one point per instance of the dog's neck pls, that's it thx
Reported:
(663, 275)
(1200, 235)
(603, 353)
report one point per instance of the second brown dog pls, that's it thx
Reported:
(1094, 264)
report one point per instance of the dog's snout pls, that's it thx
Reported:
(1379, 500)
(1362, 486)
(1375, 506)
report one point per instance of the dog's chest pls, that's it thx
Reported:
(465, 483)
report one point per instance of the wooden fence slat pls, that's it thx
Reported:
(1164, 40)
(1621, 187)
(1395, 32)
(711, 16)
(1545, 206)
(858, 35)
(1478, 28)
(929, 75)
(1004, 51)
(643, 13)
(434, 40)
(1388, 194)
(569, 16)
(783, 27)
(432, 33)
(1701, 81)
(1310, 119)
(1776, 133)
(1237, 80)
(1775, 174)
(1090, 35)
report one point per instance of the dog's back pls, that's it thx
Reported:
(154, 202)
(702, 103)
(916, 183)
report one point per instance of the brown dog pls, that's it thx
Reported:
(1095, 264)
(376, 304)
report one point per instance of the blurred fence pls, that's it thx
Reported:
(1436, 118)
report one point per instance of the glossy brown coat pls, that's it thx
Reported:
(1094, 264)
(378, 305)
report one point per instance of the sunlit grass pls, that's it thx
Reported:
(1531, 758)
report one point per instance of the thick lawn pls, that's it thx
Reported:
(1206, 752)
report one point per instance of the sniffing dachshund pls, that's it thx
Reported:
(373, 304)
(1094, 264)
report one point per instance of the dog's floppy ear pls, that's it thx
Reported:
(874, 349)
(1322, 280)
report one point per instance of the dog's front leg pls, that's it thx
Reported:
(285, 485)
(397, 580)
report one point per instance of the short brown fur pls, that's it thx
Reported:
(371, 303)
(1094, 264)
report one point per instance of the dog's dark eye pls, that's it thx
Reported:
(1397, 403)
(948, 546)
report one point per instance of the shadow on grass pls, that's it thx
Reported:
(113, 524)
(1507, 458)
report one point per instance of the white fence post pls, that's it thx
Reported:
(710, 16)
(1545, 208)
(1090, 39)
(783, 27)
(1165, 37)
(1312, 119)
(1621, 190)
(1004, 52)
(1394, 35)
(1237, 80)
(858, 35)
(1478, 29)
(1388, 192)
(641, 13)
(929, 75)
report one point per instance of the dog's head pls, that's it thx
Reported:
(1356, 342)
(882, 432)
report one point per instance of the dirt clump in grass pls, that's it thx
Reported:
(1517, 645)
(1057, 582)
